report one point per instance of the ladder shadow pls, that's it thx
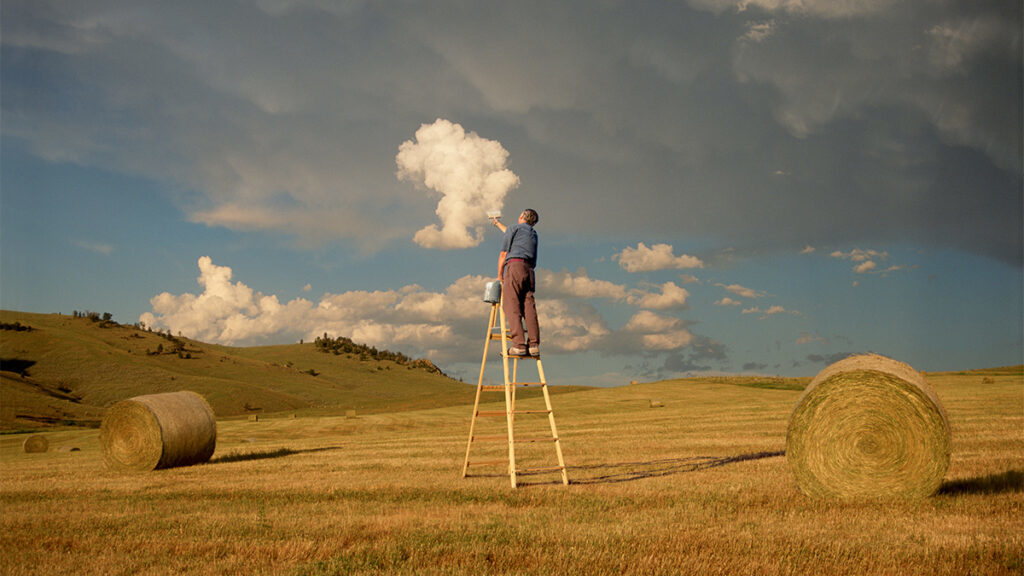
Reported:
(614, 473)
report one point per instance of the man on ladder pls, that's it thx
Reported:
(516, 262)
(515, 266)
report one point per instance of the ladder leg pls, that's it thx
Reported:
(509, 402)
(551, 420)
(479, 388)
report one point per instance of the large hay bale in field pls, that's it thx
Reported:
(868, 427)
(35, 444)
(158, 431)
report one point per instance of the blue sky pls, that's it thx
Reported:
(754, 186)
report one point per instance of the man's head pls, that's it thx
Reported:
(529, 216)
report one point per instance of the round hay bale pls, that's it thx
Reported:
(36, 444)
(868, 427)
(158, 431)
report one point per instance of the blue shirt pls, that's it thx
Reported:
(520, 241)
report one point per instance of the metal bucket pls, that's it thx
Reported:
(492, 292)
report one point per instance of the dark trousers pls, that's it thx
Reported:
(517, 302)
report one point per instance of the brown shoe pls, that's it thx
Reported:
(517, 351)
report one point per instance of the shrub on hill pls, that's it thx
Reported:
(15, 326)
(343, 345)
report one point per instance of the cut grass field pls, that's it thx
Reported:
(698, 485)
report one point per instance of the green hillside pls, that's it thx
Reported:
(66, 370)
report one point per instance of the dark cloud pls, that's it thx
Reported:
(828, 359)
(773, 127)
(704, 354)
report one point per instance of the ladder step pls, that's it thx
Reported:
(501, 387)
(540, 470)
(504, 438)
(489, 462)
(502, 412)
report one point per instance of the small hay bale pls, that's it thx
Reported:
(868, 427)
(350, 413)
(656, 404)
(158, 431)
(254, 418)
(36, 444)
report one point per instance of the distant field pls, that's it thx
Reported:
(677, 477)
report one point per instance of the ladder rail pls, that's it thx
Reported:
(510, 401)
(479, 389)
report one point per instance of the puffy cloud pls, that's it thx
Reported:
(859, 255)
(657, 332)
(770, 311)
(411, 320)
(866, 266)
(741, 290)
(726, 301)
(570, 327)
(671, 296)
(578, 285)
(466, 170)
(442, 325)
(866, 261)
(657, 257)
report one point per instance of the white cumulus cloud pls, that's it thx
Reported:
(741, 291)
(671, 296)
(657, 332)
(657, 257)
(468, 172)
(578, 285)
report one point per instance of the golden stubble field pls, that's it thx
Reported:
(697, 485)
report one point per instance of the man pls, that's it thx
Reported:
(516, 262)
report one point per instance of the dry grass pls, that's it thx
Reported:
(696, 486)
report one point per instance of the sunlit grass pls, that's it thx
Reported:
(698, 485)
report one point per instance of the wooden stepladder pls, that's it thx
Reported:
(496, 330)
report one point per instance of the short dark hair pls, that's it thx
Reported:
(530, 216)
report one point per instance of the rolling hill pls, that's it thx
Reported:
(65, 370)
